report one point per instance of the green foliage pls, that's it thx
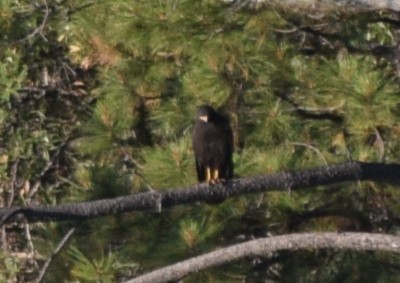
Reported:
(193, 234)
(116, 118)
(11, 75)
(100, 269)
(170, 166)
(334, 263)
(9, 267)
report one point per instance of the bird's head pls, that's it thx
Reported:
(205, 113)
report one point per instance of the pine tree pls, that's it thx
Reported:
(300, 91)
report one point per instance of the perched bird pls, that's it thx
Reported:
(212, 145)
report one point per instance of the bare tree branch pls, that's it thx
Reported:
(374, 4)
(156, 201)
(331, 113)
(55, 252)
(39, 29)
(358, 218)
(367, 4)
(265, 246)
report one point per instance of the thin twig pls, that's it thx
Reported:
(3, 239)
(80, 8)
(55, 252)
(45, 169)
(380, 145)
(291, 30)
(14, 169)
(39, 29)
(316, 150)
(129, 157)
(28, 238)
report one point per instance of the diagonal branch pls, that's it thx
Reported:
(39, 29)
(294, 180)
(55, 252)
(265, 246)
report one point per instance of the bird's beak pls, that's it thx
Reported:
(204, 118)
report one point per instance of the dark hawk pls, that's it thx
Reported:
(212, 145)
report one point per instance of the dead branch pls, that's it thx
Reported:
(294, 180)
(55, 252)
(266, 246)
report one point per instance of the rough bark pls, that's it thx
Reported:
(293, 180)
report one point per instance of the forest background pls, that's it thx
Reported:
(97, 100)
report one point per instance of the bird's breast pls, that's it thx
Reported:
(209, 142)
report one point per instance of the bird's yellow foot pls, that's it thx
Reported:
(212, 176)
